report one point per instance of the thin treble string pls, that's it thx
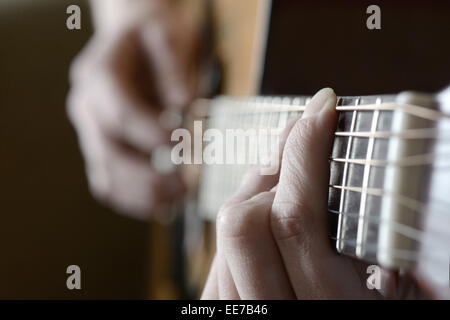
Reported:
(418, 111)
(415, 160)
(405, 254)
(417, 133)
(415, 205)
(398, 227)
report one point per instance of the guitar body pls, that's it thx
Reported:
(284, 47)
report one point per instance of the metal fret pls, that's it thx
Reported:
(365, 184)
(340, 244)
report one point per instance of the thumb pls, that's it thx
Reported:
(300, 204)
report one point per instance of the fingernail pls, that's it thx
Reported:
(322, 100)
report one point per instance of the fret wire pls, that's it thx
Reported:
(365, 184)
(255, 119)
(259, 123)
(271, 140)
(422, 112)
(242, 123)
(344, 181)
(282, 120)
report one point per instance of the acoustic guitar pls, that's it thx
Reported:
(389, 166)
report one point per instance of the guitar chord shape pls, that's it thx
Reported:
(370, 151)
(351, 147)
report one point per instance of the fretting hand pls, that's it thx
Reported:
(272, 236)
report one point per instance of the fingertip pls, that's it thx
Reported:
(324, 99)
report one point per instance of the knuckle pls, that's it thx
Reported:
(236, 221)
(93, 60)
(81, 65)
(250, 175)
(78, 108)
(290, 223)
(263, 200)
(224, 215)
(99, 186)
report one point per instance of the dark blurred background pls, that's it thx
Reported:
(325, 43)
(48, 219)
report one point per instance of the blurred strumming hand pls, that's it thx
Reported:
(139, 62)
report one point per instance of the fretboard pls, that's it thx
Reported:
(375, 187)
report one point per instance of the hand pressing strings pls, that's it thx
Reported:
(272, 235)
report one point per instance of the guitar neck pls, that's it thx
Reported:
(368, 142)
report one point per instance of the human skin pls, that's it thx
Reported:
(139, 64)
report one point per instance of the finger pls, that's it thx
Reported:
(169, 44)
(255, 181)
(250, 251)
(107, 73)
(136, 188)
(227, 289)
(117, 175)
(252, 184)
(91, 142)
(299, 212)
(123, 113)
(211, 290)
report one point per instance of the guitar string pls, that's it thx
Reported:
(415, 160)
(362, 226)
(405, 254)
(399, 227)
(416, 206)
(417, 133)
(410, 133)
(264, 107)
